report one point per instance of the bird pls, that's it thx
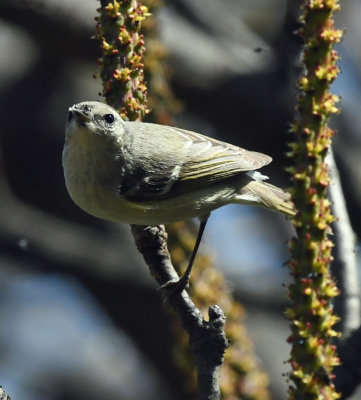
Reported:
(149, 174)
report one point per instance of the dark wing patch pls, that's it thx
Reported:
(142, 185)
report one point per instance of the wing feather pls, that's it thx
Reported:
(174, 161)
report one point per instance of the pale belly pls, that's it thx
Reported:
(100, 197)
(106, 203)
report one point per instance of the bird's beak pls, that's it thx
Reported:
(80, 115)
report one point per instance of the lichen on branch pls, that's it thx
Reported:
(311, 317)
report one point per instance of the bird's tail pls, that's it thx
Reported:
(269, 196)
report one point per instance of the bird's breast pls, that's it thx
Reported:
(90, 175)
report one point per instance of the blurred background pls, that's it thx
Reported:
(80, 315)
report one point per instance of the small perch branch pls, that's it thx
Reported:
(207, 338)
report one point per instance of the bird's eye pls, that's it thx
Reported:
(109, 118)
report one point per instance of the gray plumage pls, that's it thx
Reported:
(145, 173)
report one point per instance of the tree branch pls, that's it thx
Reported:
(207, 338)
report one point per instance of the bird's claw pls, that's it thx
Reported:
(173, 287)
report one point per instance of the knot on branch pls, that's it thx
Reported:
(209, 340)
(151, 241)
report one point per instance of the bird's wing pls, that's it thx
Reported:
(174, 161)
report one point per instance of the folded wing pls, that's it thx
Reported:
(175, 161)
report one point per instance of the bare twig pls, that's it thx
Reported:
(207, 338)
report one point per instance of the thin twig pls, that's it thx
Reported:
(207, 338)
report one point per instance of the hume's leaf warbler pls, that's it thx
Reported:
(149, 174)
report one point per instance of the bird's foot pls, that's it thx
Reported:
(174, 287)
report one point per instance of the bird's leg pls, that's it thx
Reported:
(181, 284)
(187, 274)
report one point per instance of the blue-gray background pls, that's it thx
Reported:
(80, 316)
